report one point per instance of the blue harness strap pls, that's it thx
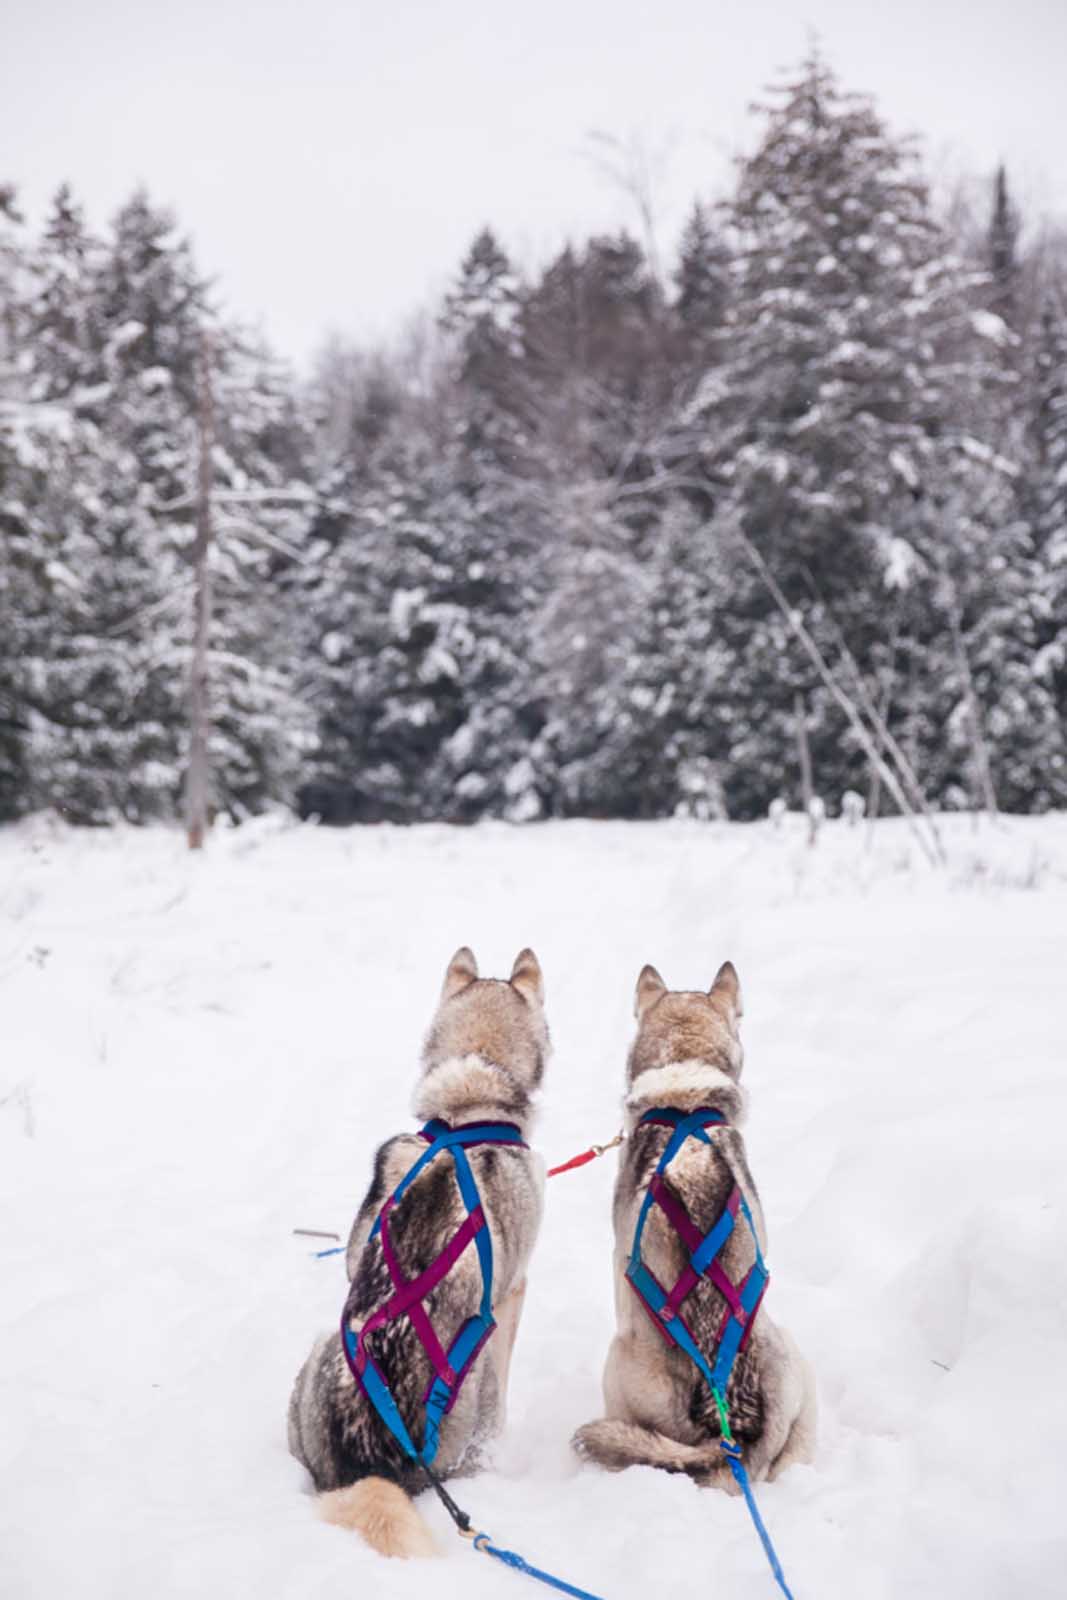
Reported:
(742, 1302)
(483, 1542)
(732, 1451)
(451, 1367)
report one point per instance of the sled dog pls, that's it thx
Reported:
(483, 1060)
(659, 1409)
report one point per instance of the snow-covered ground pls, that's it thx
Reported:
(199, 1055)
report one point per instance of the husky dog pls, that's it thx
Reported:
(482, 1062)
(660, 1412)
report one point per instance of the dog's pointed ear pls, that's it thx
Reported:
(649, 988)
(527, 978)
(726, 989)
(462, 970)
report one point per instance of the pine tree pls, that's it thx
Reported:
(418, 607)
(703, 285)
(263, 507)
(11, 272)
(813, 431)
(1047, 506)
(19, 572)
(109, 697)
(61, 315)
(599, 377)
(1003, 259)
(597, 362)
(482, 314)
(116, 340)
(648, 680)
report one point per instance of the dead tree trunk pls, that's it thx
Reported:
(980, 750)
(807, 791)
(198, 773)
(874, 786)
(887, 745)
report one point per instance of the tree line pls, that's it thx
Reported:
(595, 540)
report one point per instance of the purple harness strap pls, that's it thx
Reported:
(692, 1237)
(410, 1292)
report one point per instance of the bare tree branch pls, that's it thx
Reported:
(932, 850)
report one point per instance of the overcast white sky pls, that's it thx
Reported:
(333, 158)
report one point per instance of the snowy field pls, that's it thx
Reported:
(199, 1055)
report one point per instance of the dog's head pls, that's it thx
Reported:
(488, 1041)
(683, 1028)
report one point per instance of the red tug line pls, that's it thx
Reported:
(586, 1155)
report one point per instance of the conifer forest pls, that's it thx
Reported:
(784, 511)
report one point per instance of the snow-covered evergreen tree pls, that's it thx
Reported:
(596, 363)
(104, 480)
(814, 430)
(1047, 506)
(19, 568)
(417, 677)
(1003, 259)
(262, 507)
(419, 585)
(703, 286)
(599, 372)
(481, 313)
(61, 315)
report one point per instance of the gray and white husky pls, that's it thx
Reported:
(482, 1062)
(660, 1412)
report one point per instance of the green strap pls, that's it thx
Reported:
(724, 1415)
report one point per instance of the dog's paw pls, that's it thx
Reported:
(598, 1441)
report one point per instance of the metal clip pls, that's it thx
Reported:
(602, 1149)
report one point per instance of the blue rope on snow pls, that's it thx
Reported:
(732, 1451)
(510, 1559)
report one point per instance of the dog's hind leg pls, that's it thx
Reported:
(800, 1442)
(502, 1347)
(616, 1445)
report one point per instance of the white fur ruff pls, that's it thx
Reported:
(684, 1085)
(469, 1089)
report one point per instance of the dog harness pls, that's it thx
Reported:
(663, 1306)
(742, 1300)
(449, 1368)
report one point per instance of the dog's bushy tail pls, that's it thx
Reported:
(614, 1444)
(383, 1514)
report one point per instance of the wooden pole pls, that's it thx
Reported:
(807, 791)
(886, 743)
(980, 748)
(198, 773)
